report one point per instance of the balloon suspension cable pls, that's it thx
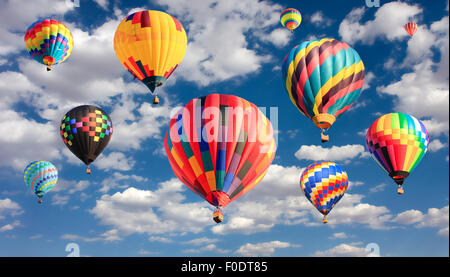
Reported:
(88, 170)
(400, 190)
(323, 136)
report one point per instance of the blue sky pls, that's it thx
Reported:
(133, 205)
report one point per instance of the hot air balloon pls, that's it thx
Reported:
(220, 146)
(397, 142)
(411, 28)
(40, 177)
(290, 19)
(324, 184)
(323, 79)
(151, 46)
(49, 42)
(86, 131)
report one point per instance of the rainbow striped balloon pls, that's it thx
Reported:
(40, 177)
(397, 142)
(324, 184)
(323, 79)
(291, 19)
(220, 146)
(49, 42)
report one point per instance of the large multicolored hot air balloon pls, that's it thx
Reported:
(324, 184)
(86, 130)
(290, 19)
(323, 79)
(40, 177)
(411, 28)
(220, 146)
(151, 46)
(49, 42)
(397, 142)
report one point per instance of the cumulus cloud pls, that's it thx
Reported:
(219, 45)
(152, 212)
(335, 153)
(344, 250)
(319, 20)
(263, 249)
(9, 209)
(435, 217)
(115, 161)
(387, 24)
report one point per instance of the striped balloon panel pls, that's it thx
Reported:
(220, 146)
(40, 177)
(411, 28)
(150, 45)
(290, 18)
(324, 184)
(397, 142)
(323, 76)
(49, 41)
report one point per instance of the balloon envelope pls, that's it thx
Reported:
(290, 18)
(323, 79)
(220, 146)
(49, 42)
(324, 184)
(86, 130)
(397, 142)
(150, 45)
(40, 177)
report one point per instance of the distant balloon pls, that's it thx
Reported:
(324, 184)
(49, 42)
(86, 130)
(151, 46)
(397, 142)
(411, 28)
(220, 146)
(290, 19)
(323, 79)
(40, 177)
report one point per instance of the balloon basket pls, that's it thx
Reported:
(156, 100)
(218, 216)
(400, 190)
(324, 138)
(88, 170)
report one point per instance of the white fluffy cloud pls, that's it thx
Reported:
(219, 37)
(344, 250)
(115, 161)
(263, 249)
(387, 24)
(335, 153)
(9, 208)
(438, 218)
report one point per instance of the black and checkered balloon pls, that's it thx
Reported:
(86, 131)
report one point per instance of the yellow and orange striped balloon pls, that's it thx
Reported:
(151, 45)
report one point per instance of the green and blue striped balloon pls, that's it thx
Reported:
(40, 177)
(323, 79)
